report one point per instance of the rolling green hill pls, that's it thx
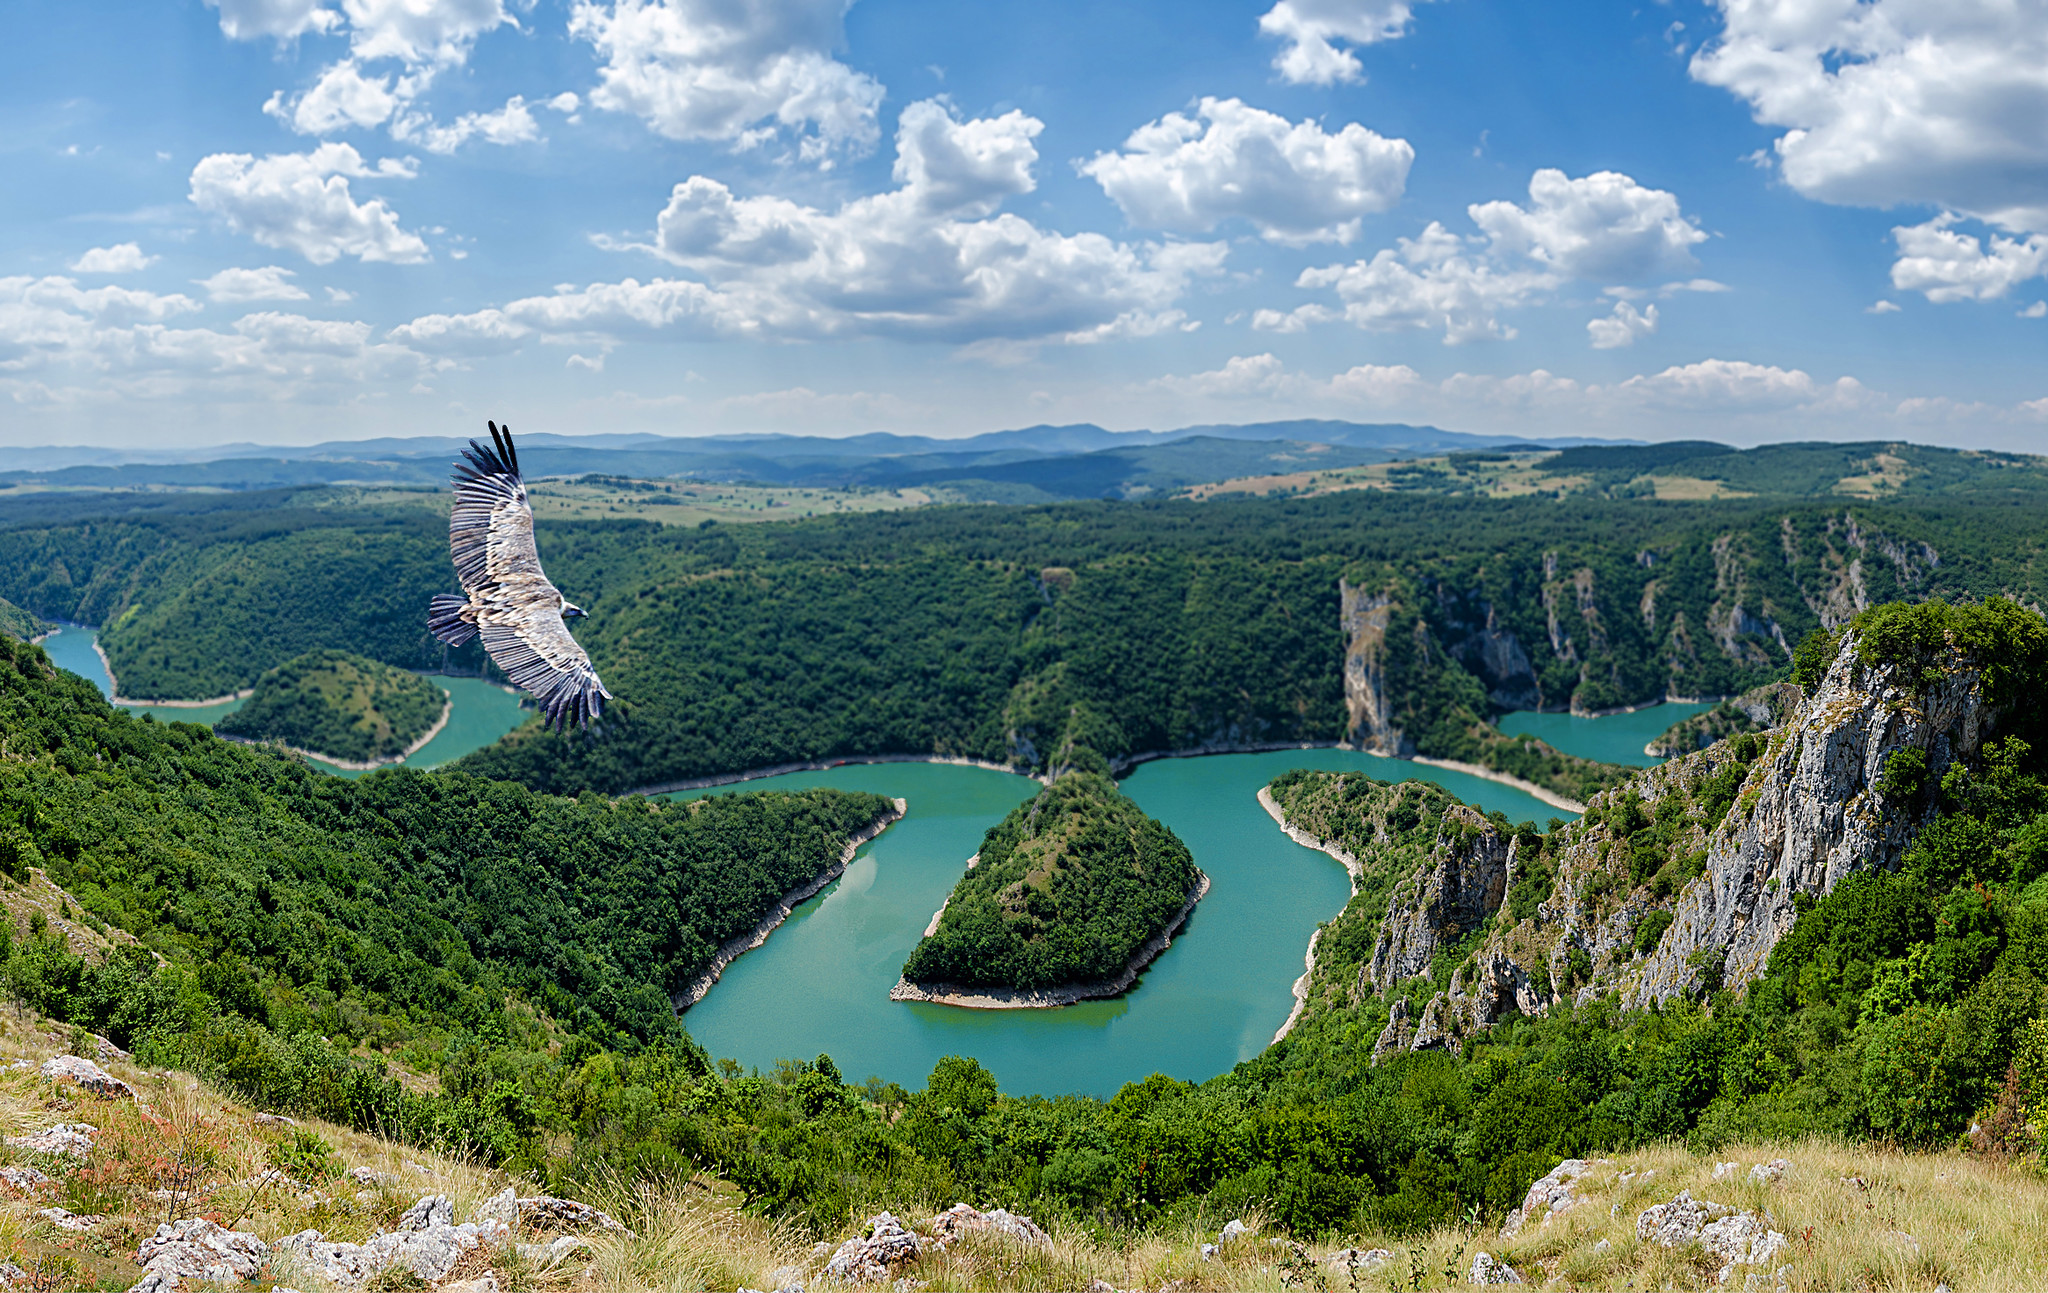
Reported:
(341, 705)
(18, 623)
(1066, 890)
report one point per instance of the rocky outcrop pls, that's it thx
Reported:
(875, 1256)
(426, 1245)
(196, 1251)
(1452, 899)
(1734, 1238)
(1365, 616)
(85, 1073)
(1810, 814)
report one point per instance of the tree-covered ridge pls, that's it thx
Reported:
(1066, 889)
(403, 900)
(1004, 633)
(341, 705)
(18, 623)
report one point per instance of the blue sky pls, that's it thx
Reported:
(297, 220)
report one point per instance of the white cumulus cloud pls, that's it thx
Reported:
(301, 202)
(1623, 327)
(234, 285)
(965, 168)
(1312, 28)
(928, 259)
(1293, 181)
(1600, 228)
(277, 19)
(737, 73)
(1935, 102)
(121, 258)
(511, 124)
(1947, 266)
(421, 33)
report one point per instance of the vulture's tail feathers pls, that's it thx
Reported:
(444, 619)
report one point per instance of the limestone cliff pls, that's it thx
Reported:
(1370, 710)
(1683, 879)
(1760, 709)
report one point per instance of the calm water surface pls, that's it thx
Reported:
(1611, 738)
(482, 711)
(821, 982)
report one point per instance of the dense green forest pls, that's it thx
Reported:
(18, 623)
(1065, 890)
(339, 704)
(370, 909)
(397, 912)
(1004, 632)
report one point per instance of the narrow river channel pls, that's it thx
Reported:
(821, 983)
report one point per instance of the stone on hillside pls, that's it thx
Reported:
(197, 1250)
(960, 1219)
(63, 1220)
(1679, 1222)
(1346, 1260)
(73, 1138)
(26, 1180)
(1234, 1229)
(567, 1214)
(1770, 1173)
(1487, 1270)
(432, 1210)
(275, 1120)
(88, 1075)
(1552, 1194)
(875, 1257)
(1742, 1239)
(1722, 1171)
(552, 1252)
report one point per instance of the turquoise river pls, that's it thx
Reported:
(820, 984)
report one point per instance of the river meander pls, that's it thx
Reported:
(480, 712)
(821, 982)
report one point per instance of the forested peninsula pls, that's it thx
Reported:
(340, 706)
(1071, 895)
(18, 623)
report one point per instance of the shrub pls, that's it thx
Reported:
(1651, 931)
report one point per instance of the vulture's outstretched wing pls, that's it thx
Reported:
(517, 611)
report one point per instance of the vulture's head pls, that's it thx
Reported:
(571, 611)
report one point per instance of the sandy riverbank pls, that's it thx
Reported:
(818, 765)
(733, 948)
(1550, 797)
(447, 708)
(953, 994)
(1352, 867)
(114, 686)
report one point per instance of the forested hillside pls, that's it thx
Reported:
(339, 704)
(1065, 890)
(18, 623)
(1003, 633)
(396, 906)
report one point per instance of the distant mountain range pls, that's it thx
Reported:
(1029, 464)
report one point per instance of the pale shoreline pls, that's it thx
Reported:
(816, 765)
(116, 698)
(447, 708)
(1120, 765)
(940, 914)
(737, 946)
(1352, 867)
(950, 994)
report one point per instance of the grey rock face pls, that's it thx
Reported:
(1488, 1270)
(88, 1075)
(874, 1257)
(199, 1251)
(1810, 815)
(1557, 1191)
(1455, 897)
(1365, 616)
(960, 1220)
(70, 1138)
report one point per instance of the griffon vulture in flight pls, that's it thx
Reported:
(508, 599)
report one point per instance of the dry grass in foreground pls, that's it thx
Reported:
(1853, 1217)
